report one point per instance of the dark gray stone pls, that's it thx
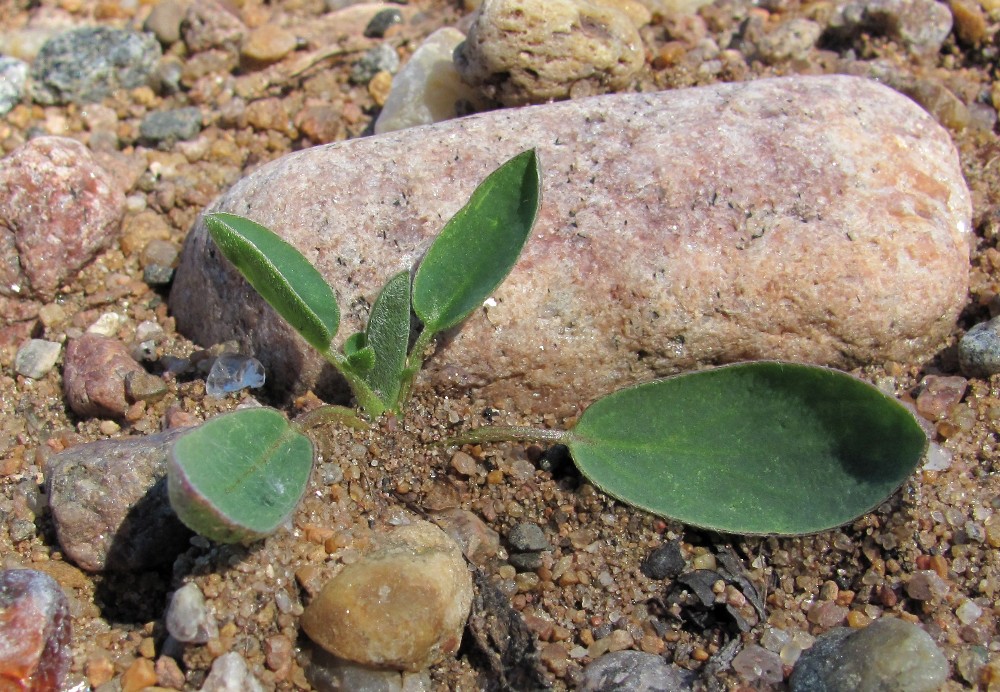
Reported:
(381, 22)
(635, 671)
(165, 128)
(979, 349)
(110, 507)
(381, 57)
(889, 654)
(664, 562)
(528, 538)
(85, 65)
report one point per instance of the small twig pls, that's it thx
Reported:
(505, 433)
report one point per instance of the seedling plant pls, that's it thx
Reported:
(754, 448)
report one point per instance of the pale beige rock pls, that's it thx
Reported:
(428, 88)
(818, 219)
(531, 51)
(401, 606)
(267, 44)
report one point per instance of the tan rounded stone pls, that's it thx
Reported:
(532, 51)
(267, 44)
(401, 606)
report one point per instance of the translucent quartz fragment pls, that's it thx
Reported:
(232, 372)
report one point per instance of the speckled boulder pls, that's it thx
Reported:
(532, 51)
(818, 219)
(58, 208)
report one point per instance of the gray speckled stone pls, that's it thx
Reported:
(110, 507)
(888, 655)
(13, 74)
(979, 349)
(819, 219)
(85, 65)
(636, 671)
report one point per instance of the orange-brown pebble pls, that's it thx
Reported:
(139, 675)
(856, 619)
(699, 654)
(99, 670)
(494, 477)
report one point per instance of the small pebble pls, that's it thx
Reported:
(157, 275)
(163, 129)
(827, 614)
(889, 654)
(164, 21)
(232, 372)
(36, 358)
(527, 538)
(633, 670)
(382, 21)
(94, 372)
(464, 464)
(379, 87)
(230, 674)
(939, 395)
(968, 612)
(35, 627)
(478, 541)
(381, 58)
(138, 676)
(664, 562)
(757, 665)
(926, 585)
(13, 75)
(979, 349)
(267, 44)
(188, 618)
(143, 386)
(106, 325)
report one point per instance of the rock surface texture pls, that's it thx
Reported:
(58, 208)
(110, 507)
(817, 219)
(532, 51)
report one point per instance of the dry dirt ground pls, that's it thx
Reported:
(589, 593)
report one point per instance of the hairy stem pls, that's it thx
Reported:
(506, 433)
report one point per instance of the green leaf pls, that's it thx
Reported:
(239, 476)
(360, 356)
(479, 245)
(280, 274)
(755, 448)
(389, 334)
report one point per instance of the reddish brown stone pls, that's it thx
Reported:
(94, 376)
(34, 632)
(58, 208)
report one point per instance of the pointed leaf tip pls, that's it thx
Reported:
(479, 246)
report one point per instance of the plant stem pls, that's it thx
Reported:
(364, 396)
(414, 361)
(329, 413)
(506, 433)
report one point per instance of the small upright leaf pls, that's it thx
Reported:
(479, 245)
(754, 448)
(389, 335)
(239, 476)
(360, 356)
(280, 274)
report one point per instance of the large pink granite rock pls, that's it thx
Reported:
(819, 219)
(58, 209)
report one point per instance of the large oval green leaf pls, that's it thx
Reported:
(754, 448)
(239, 476)
(280, 274)
(479, 245)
